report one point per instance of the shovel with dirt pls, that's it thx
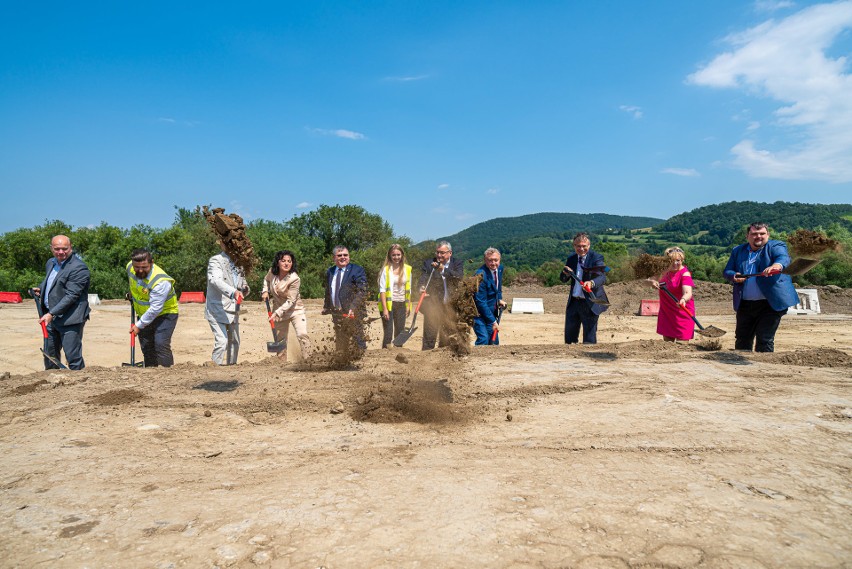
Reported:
(403, 336)
(799, 266)
(709, 331)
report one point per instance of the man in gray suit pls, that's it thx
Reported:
(226, 287)
(64, 299)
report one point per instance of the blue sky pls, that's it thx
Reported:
(435, 115)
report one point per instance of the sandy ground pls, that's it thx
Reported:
(631, 453)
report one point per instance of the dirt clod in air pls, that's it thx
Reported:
(813, 243)
(231, 232)
(461, 310)
(647, 266)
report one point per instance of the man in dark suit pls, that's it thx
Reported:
(446, 274)
(587, 266)
(345, 295)
(64, 303)
(760, 302)
(489, 299)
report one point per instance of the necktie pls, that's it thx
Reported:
(578, 289)
(337, 288)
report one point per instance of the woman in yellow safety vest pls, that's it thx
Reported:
(281, 284)
(394, 293)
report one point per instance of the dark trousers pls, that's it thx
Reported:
(155, 339)
(436, 324)
(394, 325)
(757, 323)
(68, 339)
(347, 331)
(579, 312)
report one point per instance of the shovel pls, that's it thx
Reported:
(43, 349)
(799, 266)
(275, 346)
(592, 296)
(133, 362)
(710, 331)
(499, 315)
(403, 336)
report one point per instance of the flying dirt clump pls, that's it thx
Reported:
(460, 312)
(231, 232)
(811, 243)
(649, 266)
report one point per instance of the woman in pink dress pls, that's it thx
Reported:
(673, 323)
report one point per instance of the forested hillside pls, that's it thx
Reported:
(721, 224)
(554, 227)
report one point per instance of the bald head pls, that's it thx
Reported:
(61, 248)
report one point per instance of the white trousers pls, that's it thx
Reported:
(220, 340)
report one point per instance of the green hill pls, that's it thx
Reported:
(721, 224)
(538, 237)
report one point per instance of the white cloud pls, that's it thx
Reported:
(339, 133)
(633, 110)
(443, 186)
(492, 191)
(786, 61)
(166, 120)
(753, 125)
(463, 216)
(772, 5)
(303, 205)
(686, 172)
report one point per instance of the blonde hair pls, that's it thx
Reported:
(674, 253)
(400, 272)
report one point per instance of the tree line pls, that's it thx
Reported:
(184, 248)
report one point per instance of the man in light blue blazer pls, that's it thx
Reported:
(760, 301)
(489, 299)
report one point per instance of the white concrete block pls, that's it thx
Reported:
(527, 306)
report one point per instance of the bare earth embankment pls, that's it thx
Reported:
(631, 453)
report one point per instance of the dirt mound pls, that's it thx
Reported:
(117, 397)
(827, 357)
(811, 243)
(231, 232)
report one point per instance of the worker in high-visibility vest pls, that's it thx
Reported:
(394, 293)
(156, 305)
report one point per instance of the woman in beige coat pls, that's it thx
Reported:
(281, 284)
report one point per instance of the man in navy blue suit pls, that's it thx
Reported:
(587, 266)
(489, 298)
(345, 293)
(761, 301)
(64, 303)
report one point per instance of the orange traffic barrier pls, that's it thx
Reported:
(192, 297)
